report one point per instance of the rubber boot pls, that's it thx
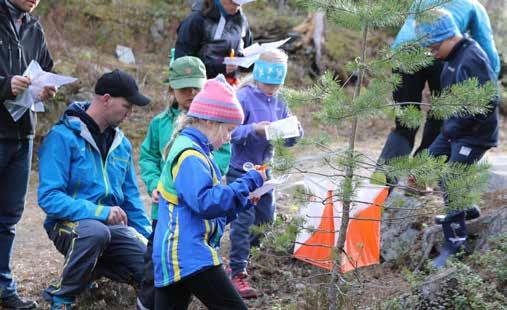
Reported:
(455, 236)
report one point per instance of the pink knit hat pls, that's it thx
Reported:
(217, 102)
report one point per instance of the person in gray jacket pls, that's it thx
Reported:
(21, 41)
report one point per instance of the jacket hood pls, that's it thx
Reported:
(75, 109)
(198, 5)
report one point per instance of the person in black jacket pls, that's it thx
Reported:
(462, 139)
(212, 30)
(21, 41)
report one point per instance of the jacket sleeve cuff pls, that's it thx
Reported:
(251, 130)
(255, 179)
(153, 185)
(6, 89)
(102, 213)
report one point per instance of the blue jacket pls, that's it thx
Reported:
(468, 60)
(188, 233)
(246, 145)
(74, 182)
(471, 17)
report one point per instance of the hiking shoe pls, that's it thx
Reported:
(15, 302)
(243, 287)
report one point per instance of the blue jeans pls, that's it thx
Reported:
(241, 237)
(15, 162)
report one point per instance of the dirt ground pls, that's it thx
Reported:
(36, 262)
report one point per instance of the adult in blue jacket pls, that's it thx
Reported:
(88, 189)
(471, 20)
(463, 139)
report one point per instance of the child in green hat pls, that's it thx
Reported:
(187, 76)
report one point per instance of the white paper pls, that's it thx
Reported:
(261, 48)
(253, 49)
(241, 2)
(273, 45)
(244, 62)
(269, 185)
(29, 98)
(284, 128)
(252, 53)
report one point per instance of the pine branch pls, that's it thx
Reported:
(464, 99)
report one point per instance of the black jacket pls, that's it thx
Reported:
(196, 37)
(16, 52)
(468, 60)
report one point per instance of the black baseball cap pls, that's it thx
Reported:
(119, 83)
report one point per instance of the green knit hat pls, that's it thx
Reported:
(187, 71)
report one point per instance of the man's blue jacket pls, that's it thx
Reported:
(76, 184)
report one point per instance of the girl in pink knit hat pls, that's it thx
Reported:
(194, 206)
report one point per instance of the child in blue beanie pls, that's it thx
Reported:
(262, 105)
(462, 139)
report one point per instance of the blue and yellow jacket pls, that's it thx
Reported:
(194, 208)
(152, 148)
(76, 184)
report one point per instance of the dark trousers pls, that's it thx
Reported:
(456, 152)
(15, 161)
(147, 292)
(242, 239)
(400, 141)
(211, 286)
(92, 250)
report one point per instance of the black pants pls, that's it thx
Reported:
(211, 286)
(400, 141)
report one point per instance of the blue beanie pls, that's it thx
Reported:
(440, 29)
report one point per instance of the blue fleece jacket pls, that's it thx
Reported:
(246, 144)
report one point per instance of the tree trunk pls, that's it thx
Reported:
(281, 6)
(336, 273)
(318, 37)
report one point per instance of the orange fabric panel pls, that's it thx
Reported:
(362, 243)
(363, 237)
(318, 248)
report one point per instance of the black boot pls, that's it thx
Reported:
(470, 214)
(15, 302)
(455, 236)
